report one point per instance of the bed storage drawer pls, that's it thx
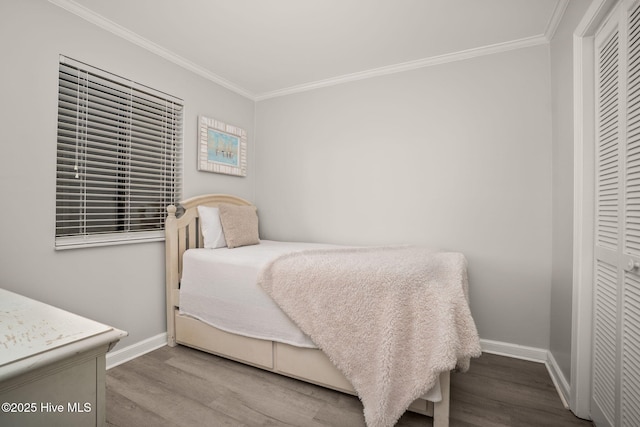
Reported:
(311, 365)
(194, 333)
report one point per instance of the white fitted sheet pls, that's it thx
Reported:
(219, 287)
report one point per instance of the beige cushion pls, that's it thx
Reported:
(240, 225)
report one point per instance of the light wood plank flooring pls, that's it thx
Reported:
(185, 387)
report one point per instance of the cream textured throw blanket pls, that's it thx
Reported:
(390, 319)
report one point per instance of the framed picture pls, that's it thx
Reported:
(222, 148)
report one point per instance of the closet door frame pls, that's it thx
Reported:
(584, 201)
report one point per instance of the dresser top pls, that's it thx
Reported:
(29, 327)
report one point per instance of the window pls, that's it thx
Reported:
(119, 158)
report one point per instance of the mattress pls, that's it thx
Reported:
(219, 287)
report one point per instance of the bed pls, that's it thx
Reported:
(283, 349)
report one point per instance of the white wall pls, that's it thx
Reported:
(562, 245)
(455, 156)
(120, 285)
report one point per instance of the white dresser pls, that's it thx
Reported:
(52, 365)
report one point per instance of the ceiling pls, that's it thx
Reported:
(265, 48)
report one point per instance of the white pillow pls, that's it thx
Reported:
(211, 227)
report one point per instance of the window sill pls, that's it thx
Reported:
(78, 242)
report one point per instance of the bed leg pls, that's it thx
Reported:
(441, 409)
(171, 341)
(171, 328)
(172, 273)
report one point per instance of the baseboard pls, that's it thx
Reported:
(559, 380)
(118, 357)
(532, 354)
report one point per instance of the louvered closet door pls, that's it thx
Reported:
(616, 328)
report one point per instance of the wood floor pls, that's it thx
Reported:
(185, 387)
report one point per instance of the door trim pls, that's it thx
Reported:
(583, 203)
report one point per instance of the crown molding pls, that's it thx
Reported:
(120, 31)
(410, 65)
(555, 19)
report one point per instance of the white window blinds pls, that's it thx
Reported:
(119, 158)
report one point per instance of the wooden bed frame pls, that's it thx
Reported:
(310, 365)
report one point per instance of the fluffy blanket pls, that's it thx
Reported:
(390, 319)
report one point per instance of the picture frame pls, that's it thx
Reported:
(222, 148)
